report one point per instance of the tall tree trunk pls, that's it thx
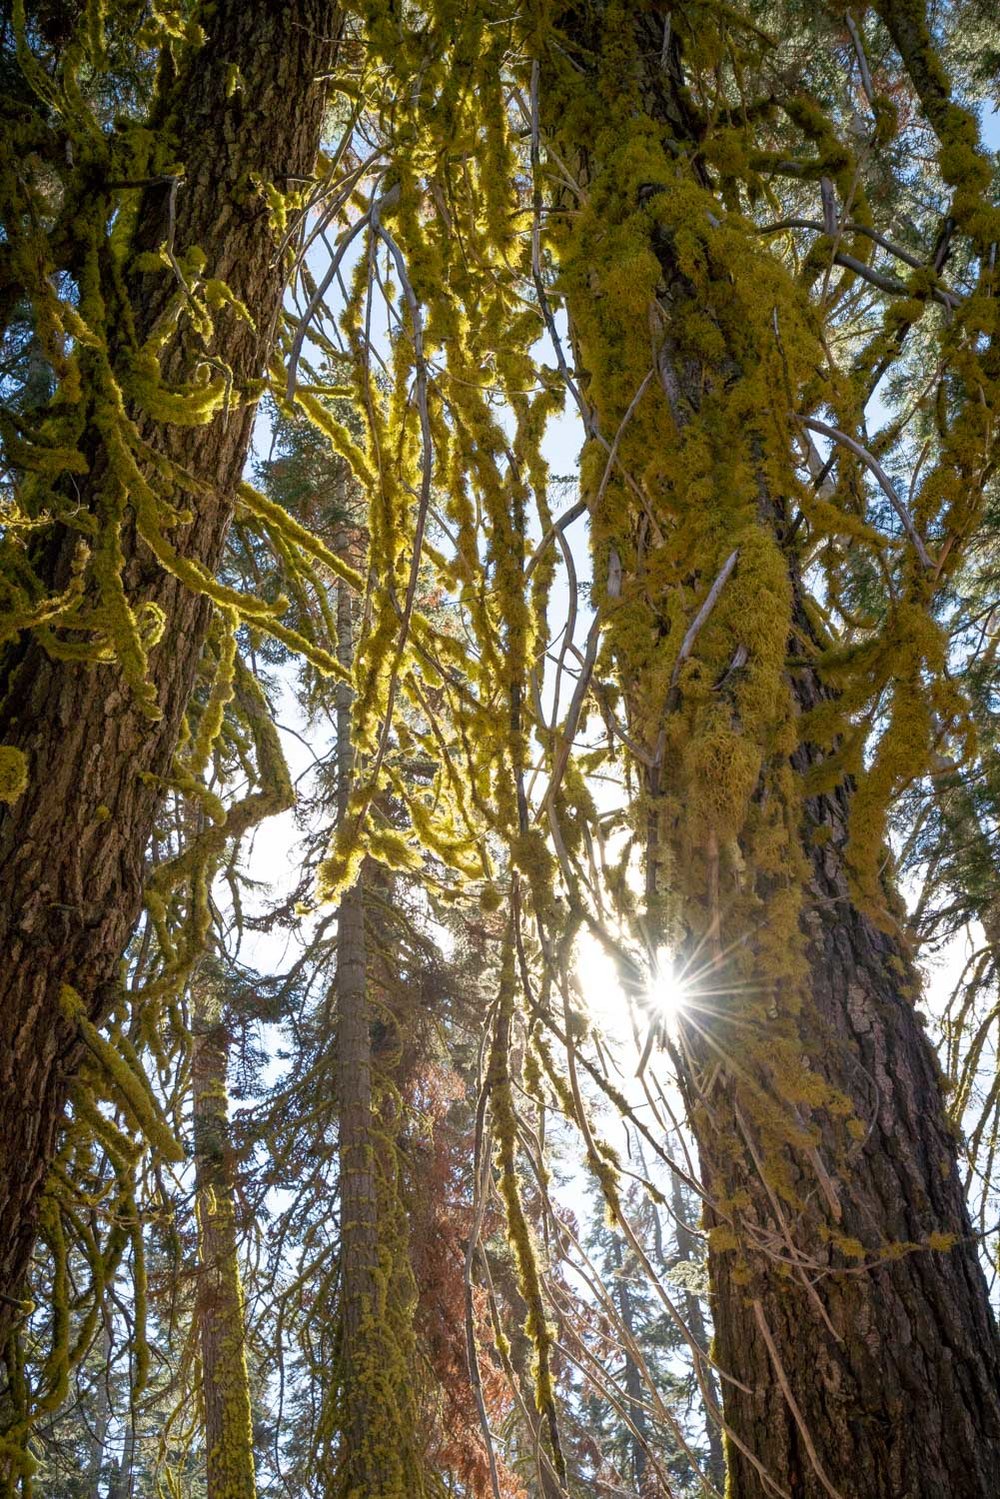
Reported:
(894, 1370)
(102, 1418)
(359, 1228)
(71, 874)
(637, 1438)
(229, 1459)
(862, 1339)
(121, 1481)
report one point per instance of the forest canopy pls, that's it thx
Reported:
(499, 756)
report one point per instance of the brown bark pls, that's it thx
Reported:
(867, 1381)
(70, 882)
(229, 1458)
(687, 1249)
(381, 1448)
(359, 1227)
(358, 1187)
(900, 1391)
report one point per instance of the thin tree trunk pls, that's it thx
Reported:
(120, 1485)
(70, 874)
(229, 1459)
(358, 1185)
(102, 1417)
(637, 1439)
(875, 1372)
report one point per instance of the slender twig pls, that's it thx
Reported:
(859, 52)
(790, 1400)
(369, 219)
(613, 450)
(885, 483)
(695, 627)
(573, 716)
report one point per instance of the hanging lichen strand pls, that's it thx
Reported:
(467, 412)
(437, 464)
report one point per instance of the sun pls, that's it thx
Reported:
(662, 995)
(666, 994)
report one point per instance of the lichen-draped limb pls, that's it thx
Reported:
(498, 1086)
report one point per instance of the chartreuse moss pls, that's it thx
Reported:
(696, 346)
(13, 773)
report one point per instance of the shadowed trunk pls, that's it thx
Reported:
(359, 1228)
(632, 1376)
(229, 1459)
(122, 1480)
(895, 1370)
(102, 1419)
(72, 846)
(848, 1297)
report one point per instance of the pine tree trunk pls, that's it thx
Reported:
(632, 1375)
(382, 1447)
(895, 1371)
(229, 1459)
(869, 1369)
(102, 1419)
(70, 874)
(358, 1187)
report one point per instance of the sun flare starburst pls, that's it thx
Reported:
(662, 994)
(667, 992)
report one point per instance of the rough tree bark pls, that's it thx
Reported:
(71, 877)
(897, 1378)
(687, 1249)
(873, 1382)
(229, 1458)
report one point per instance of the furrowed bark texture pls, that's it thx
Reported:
(901, 1391)
(70, 882)
(358, 1186)
(864, 1382)
(688, 1249)
(229, 1457)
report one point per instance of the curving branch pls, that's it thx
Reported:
(873, 466)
